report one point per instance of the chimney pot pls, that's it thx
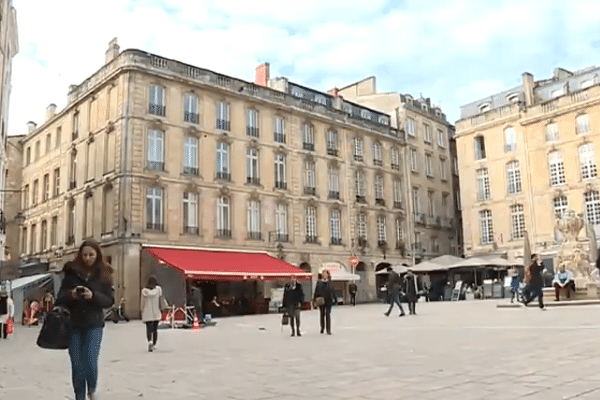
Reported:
(333, 92)
(31, 126)
(113, 50)
(50, 111)
(262, 74)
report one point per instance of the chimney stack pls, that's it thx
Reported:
(50, 111)
(333, 92)
(113, 50)
(262, 74)
(528, 88)
(31, 126)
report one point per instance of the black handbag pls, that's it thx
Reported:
(285, 319)
(55, 330)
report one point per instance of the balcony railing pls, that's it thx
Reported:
(377, 162)
(74, 135)
(152, 226)
(358, 157)
(380, 202)
(223, 124)
(72, 185)
(254, 235)
(155, 165)
(190, 171)
(308, 146)
(310, 191)
(191, 230)
(70, 240)
(157, 109)
(335, 195)
(420, 218)
(224, 233)
(336, 241)
(361, 199)
(252, 180)
(417, 247)
(381, 243)
(190, 117)
(279, 137)
(280, 185)
(398, 205)
(312, 239)
(224, 176)
(396, 167)
(281, 237)
(252, 131)
(332, 152)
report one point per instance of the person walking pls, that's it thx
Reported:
(536, 282)
(195, 300)
(411, 290)
(324, 298)
(293, 297)
(47, 302)
(352, 289)
(150, 304)
(394, 283)
(7, 312)
(513, 272)
(85, 291)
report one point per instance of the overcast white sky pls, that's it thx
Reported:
(454, 52)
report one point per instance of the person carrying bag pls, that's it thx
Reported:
(55, 330)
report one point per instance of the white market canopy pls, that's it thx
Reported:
(339, 272)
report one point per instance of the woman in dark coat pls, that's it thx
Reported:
(324, 289)
(85, 290)
(411, 291)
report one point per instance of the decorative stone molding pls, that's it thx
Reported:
(192, 188)
(224, 137)
(253, 144)
(110, 126)
(254, 195)
(224, 191)
(88, 192)
(90, 138)
(193, 131)
(156, 181)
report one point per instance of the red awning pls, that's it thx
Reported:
(226, 265)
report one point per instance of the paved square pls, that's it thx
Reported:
(450, 350)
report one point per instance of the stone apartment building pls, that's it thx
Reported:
(154, 151)
(9, 47)
(431, 178)
(526, 155)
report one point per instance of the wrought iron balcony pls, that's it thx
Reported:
(254, 235)
(191, 230)
(190, 117)
(72, 185)
(308, 146)
(361, 199)
(332, 152)
(398, 205)
(252, 180)
(223, 124)
(380, 202)
(157, 109)
(280, 185)
(312, 239)
(377, 162)
(190, 171)
(310, 191)
(396, 167)
(358, 157)
(155, 165)
(224, 176)
(155, 227)
(279, 137)
(252, 131)
(336, 241)
(281, 237)
(335, 195)
(224, 233)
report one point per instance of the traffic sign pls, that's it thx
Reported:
(353, 261)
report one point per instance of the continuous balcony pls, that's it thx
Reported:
(157, 109)
(223, 176)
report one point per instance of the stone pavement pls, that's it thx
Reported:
(450, 350)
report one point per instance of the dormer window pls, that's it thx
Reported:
(484, 107)
(513, 97)
(320, 99)
(365, 114)
(297, 93)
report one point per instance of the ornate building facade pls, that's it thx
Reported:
(526, 155)
(153, 150)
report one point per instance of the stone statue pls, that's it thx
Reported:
(569, 225)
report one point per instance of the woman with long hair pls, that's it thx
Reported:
(324, 290)
(85, 291)
(151, 310)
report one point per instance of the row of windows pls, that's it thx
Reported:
(587, 170)
(510, 136)
(433, 211)
(429, 169)
(517, 217)
(427, 135)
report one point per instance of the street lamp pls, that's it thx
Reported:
(280, 248)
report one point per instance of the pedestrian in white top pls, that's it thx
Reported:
(151, 313)
(7, 310)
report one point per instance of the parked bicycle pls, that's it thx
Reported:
(116, 313)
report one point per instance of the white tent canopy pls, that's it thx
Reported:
(339, 272)
(399, 269)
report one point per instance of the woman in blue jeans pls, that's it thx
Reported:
(85, 290)
(324, 289)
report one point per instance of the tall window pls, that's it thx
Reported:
(157, 101)
(252, 166)
(71, 223)
(441, 140)
(279, 136)
(28, 156)
(90, 158)
(190, 213)
(308, 137)
(443, 175)
(281, 222)
(190, 156)
(430, 204)
(311, 225)
(35, 192)
(223, 161)
(334, 182)
(53, 231)
(155, 151)
(48, 143)
(444, 210)
(381, 233)
(561, 206)
(587, 164)
(223, 219)
(552, 132)
(223, 122)
(487, 230)
(190, 108)
(253, 217)
(517, 221)
(427, 133)
(428, 165)
(88, 223)
(358, 149)
(252, 122)
(46, 188)
(399, 233)
(377, 160)
(510, 139)
(336, 236)
(154, 209)
(483, 184)
(44, 236)
(583, 123)
(58, 137)
(410, 127)
(416, 200)
(395, 158)
(109, 156)
(513, 177)
(379, 190)
(332, 143)
(37, 151)
(414, 160)
(280, 176)
(592, 207)
(73, 170)
(309, 177)
(108, 210)
(362, 225)
(479, 148)
(557, 169)
(397, 193)
(32, 240)
(359, 179)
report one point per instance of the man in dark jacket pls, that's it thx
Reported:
(352, 289)
(293, 297)
(536, 282)
(394, 283)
